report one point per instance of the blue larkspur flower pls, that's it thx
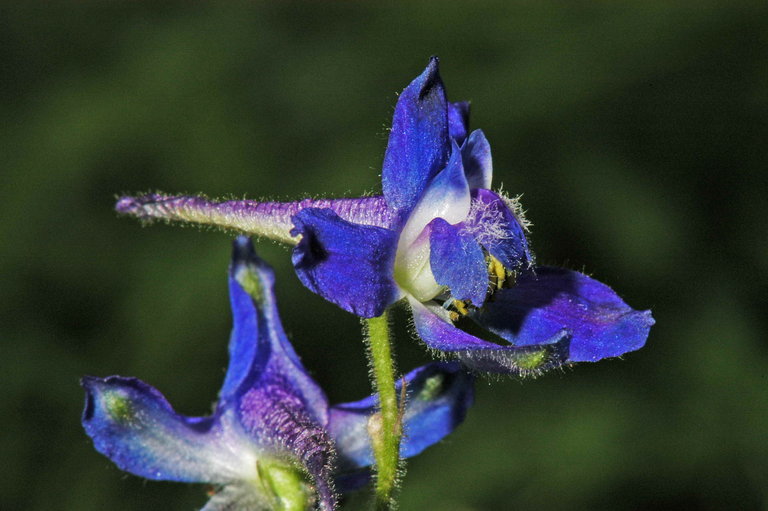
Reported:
(439, 238)
(272, 425)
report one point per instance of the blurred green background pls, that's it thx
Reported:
(636, 132)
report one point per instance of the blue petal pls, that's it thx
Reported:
(556, 302)
(478, 165)
(437, 331)
(131, 423)
(418, 143)
(498, 230)
(437, 398)
(348, 264)
(458, 121)
(259, 350)
(457, 261)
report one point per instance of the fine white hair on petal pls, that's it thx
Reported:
(516, 207)
(485, 223)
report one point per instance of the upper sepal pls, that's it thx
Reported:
(277, 403)
(418, 144)
(259, 350)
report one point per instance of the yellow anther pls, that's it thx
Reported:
(497, 272)
(461, 307)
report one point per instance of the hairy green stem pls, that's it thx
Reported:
(384, 427)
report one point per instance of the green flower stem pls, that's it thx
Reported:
(384, 427)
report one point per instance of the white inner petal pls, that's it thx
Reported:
(448, 203)
(412, 269)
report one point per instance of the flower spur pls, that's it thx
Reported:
(273, 442)
(440, 238)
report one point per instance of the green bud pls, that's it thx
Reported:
(286, 485)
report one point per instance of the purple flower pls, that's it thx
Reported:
(439, 238)
(273, 442)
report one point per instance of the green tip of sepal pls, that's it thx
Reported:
(249, 280)
(433, 387)
(532, 360)
(253, 275)
(118, 406)
(528, 362)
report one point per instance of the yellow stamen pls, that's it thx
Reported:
(497, 271)
(461, 307)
